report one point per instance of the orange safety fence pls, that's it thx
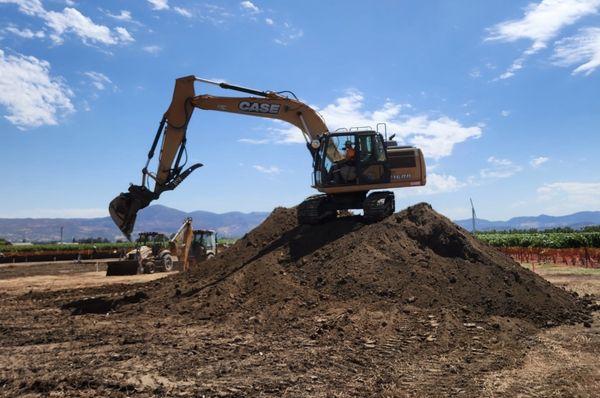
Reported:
(576, 257)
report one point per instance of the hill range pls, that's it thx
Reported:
(233, 224)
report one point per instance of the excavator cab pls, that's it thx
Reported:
(346, 159)
(350, 170)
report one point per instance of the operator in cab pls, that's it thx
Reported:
(349, 152)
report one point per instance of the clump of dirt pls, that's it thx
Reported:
(281, 272)
(101, 305)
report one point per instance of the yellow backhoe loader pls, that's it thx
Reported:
(188, 246)
(347, 163)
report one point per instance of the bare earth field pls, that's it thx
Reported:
(281, 328)
(43, 277)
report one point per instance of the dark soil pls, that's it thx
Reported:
(416, 257)
(409, 306)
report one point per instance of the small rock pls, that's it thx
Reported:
(469, 325)
(411, 299)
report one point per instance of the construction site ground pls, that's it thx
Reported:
(66, 330)
(39, 277)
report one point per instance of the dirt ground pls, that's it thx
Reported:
(282, 316)
(41, 277)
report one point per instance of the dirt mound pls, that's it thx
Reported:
(409, 306)
(280, 273)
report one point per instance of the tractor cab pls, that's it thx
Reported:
(156, 241)
(204, 245)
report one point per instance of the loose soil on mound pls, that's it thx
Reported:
(282, 272)
(409, 306)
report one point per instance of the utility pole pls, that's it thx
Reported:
(473, 216)
(61, 234)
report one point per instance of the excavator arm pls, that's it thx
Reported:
(173, 127)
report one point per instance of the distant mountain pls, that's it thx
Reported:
(233, 224)
(575, 221)
(153, 218)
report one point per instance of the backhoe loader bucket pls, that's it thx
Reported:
(123, 209)
(125, 267)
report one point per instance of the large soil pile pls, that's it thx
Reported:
(409, 306)
(281, 272)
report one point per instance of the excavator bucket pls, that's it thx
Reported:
(125, 267)
(123, 209)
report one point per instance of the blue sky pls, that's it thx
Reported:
(501, 96)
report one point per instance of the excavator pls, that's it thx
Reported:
(347, 163)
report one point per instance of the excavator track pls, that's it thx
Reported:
(379, 205)
(314, 210)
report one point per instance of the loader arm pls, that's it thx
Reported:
(181, 242)
(173, 128)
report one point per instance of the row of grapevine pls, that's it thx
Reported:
(7, 249)
(555, 240)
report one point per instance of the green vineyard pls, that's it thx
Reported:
(64, 247)
(553, 240)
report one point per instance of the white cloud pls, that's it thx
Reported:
(248, 5)
(268, 169)
(253, 141)
(98, 80)
(475, 73)
(124, 16)
(537, 162)
(436, 184)
(563, 197)
(505, 113)
(540, 24)
(288, 34)
(436, 136)
(159, 4)
(124, 35)
(32, 96)
(269, 21)
(582, 49)
(152, 49)
(500, 168)
(26, 33)
(182, 11)
(70, 20)
(29, 7)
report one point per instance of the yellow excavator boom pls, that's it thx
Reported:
(170, 173)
